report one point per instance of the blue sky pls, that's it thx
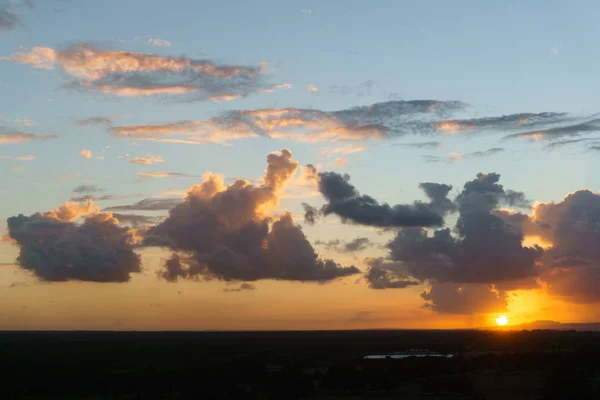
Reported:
(500, 58)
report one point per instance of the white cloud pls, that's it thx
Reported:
(312, 88)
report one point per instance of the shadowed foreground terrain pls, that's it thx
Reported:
(299, 365)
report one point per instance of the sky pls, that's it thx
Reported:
(266, 165)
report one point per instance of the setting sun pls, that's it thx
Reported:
(502, 320)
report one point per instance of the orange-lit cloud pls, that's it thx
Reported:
(133, 74)
(86, 153)
(148, 159)
(18, 137)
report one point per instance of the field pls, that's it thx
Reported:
(292, 365)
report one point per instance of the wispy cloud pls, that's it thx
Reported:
(421, 145)
(133, 74)
(559, 132)
(312, 88)
(18, 137)
(375, 121)
(148, 159)
(152, 175)
(149, 204)
(94, 121)
(453, 157)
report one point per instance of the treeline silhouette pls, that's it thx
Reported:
(290, 365)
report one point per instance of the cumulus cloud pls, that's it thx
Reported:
(382, 274)
(91, 68)
(483, 248)
(94, 121)
(228, 234)
(353, 246)
(346, 202)
(451, 298)
(55, 248)
(312, 88)
(311, 213)
(86, 153)
(18, 137)
(148, 159)
(571, 263)
(375, 121)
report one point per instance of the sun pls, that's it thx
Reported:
(501, 320)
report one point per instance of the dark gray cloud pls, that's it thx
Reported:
(356, 244)
(149, 204)
(226, 235)
(451, 298)
(571, 267)
(346, 202)
(8, 19)
(94, 121)
(383, 274)
(56, 249)
(244, 286)
(311, 213)
(438, 194)
(559, 132)
(87, 189)
(484, 249)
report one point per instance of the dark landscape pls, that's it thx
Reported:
(539, 364)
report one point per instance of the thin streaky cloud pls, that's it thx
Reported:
(559, 132)
(94, 121)
(91, 68)
(18, 137)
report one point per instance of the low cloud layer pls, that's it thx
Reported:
(91, 68)
(227, 233)
(55, 248)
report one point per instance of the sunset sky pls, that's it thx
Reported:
(243, 165)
